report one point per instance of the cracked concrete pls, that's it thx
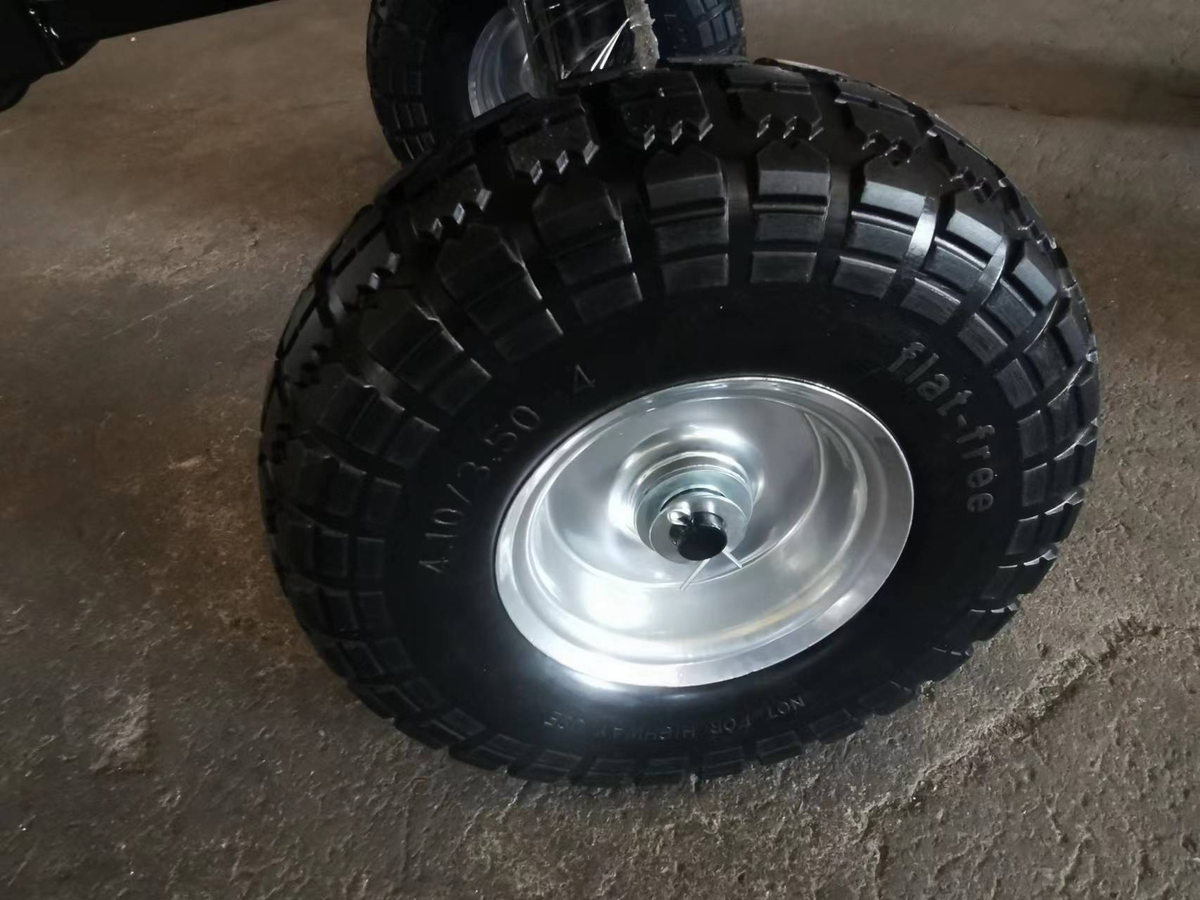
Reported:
(166, 732)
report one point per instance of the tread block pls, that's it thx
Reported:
(453, 391)
(1032, 432)
(528, 336)
(975, 223)
(988, 625)
(1066, 413)
(454, 725)
(362, 659)
(1073, 466)
(979, 625)
(382, 502)
(937, 663)
(418, 732)
(476, 262)
(682, 179)
(793, 224)
(1008, 309)
(697, 273)
(861, 276)
(568, 214)
(313, 341)
(1051, 527)
(791, 186)
(878, 236)
(407, 339)
(664, 770)
(389, 652)
(930, 302)
(361, 261)
(303, 474)
(952, 266)
(880, 117)
(1074, 334)
(716, 763)
(336, 401)
(895, 190)
(1034, 483)
(605, 254)
(1037, 277)
(325, 609)
(886, 698)
(422, 694)
(445, 202)
(314, 549)
(369, 696)
(304, 308)
(547, 137)
(394, 700)
(981, 339)
(410, 442)
(498, 750)
(779, 747)
(776, 266)
(834, 726)
(369, 559)
(548, 766)
(791, 172)
(774, 100)
(698, 230)
(375, 423)
(601, 301)
(1016, 384)
(661, 105)
(607, 772)
(1048, 360)
(582, 229)
(495, 309)
(1030, 574)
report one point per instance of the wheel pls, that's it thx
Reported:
(676, 422)
(433, 65)
(11, 93)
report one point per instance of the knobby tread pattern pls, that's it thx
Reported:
(403, 34)
(428, 295)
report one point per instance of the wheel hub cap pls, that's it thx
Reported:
(704, 531)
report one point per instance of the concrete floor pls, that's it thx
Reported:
(166, 732)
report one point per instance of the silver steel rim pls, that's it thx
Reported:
(810, 492)
(499, 69)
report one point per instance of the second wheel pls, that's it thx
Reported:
(434, 65)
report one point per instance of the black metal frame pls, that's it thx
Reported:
(41, 36)
(564, 36)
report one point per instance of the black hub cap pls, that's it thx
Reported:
(701, 538)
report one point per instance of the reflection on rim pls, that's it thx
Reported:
(499, 69)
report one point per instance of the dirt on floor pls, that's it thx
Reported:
(166, 731)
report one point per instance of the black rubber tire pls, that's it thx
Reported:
(700, 220)
(418, 53)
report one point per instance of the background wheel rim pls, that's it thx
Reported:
(499, 67)
(814, 492)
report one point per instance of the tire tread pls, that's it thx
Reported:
(344, 422)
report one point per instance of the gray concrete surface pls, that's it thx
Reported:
(165, 731)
